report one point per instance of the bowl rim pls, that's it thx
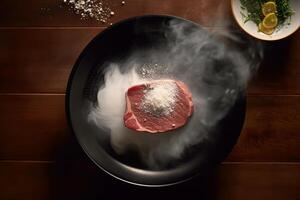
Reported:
(253, 35)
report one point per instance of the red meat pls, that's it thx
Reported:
(138, 119)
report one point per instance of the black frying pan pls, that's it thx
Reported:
(117, 42)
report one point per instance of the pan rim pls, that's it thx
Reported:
(75, 68)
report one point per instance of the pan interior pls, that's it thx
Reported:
(117, 44)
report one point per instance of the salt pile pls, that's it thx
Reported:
(96, 9)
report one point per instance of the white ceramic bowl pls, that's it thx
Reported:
(252, 29)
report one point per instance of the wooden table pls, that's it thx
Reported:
(39, 159)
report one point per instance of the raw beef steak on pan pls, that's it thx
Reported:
(158, 106)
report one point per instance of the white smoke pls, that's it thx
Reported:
(215, 72)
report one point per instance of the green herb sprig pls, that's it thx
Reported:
(251, 10)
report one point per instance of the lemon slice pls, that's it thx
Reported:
(270, 21)
(269, 7)
(265, 30)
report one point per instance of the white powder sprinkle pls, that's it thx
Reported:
(96, 9)
(160, 99)
(153, 71)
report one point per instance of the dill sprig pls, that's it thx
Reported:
(284, 11)
(251, 10)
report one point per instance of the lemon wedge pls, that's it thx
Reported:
(269, 7)
(270, 21)
(265, 30)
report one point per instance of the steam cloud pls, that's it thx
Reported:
(216, 67)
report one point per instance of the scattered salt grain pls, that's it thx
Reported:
(96, 9)
(160, 100)
(153, 71)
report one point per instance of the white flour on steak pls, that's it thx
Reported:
(160, 100)
(158, 106)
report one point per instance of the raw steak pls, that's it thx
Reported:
(158, 106)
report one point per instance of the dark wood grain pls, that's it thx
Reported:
(39, 60)
(56, 13)
(40, 41)
(48, 55)
(258, 181)
(33, 127)
(279, 72)
(27, 180)
(271, 131)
